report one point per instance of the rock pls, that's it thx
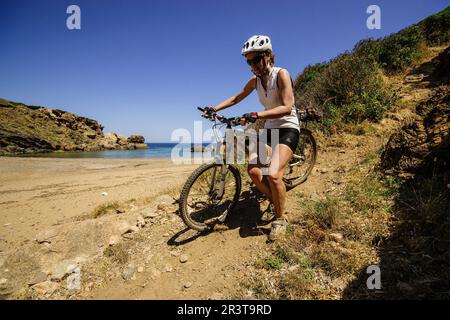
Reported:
(104, 194)
(46, 287)
(168, 268)
(46, 235)
(155, 273)
(91, 135)
(136, 139)
(74, 282)
(150, 213)
(122, 140)
(140, 269)
(166, 235)
(134, 229)
(188, 285)
(175, 253)
(184, 258)
(123, 227)
(89, 286)
(62, 269)
(140, 221)
(338, 237)
(113, 240)
(128, 236)
(323, 170)
(69, 147)
(414, 77)
(129, 272)
(38, 277)
(164, 199)
(3, 281)
(7, 224)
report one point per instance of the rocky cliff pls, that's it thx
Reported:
(423, 145)
(31, 129)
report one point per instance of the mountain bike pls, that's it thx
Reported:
(213, 189)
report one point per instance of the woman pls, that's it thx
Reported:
(274, 87)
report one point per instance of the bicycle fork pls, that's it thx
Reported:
(217, 195)
(213, 194)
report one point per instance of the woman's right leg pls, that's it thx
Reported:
(260, 181)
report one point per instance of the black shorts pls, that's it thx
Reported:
(287, 136)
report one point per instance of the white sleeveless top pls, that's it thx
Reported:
(271, 99)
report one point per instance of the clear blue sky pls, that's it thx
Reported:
(142, 67)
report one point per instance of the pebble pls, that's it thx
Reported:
(140, 269)
(175, 253)
(3, 281)
(337, 236)
(38, 277)
(128, 273)
(104, 194)
(7, 224)
(168, 269)
(184, 258)
(46, 287)
(113, 240)
(188, 285)
(128, 236)
(150, 214)
(62, 269)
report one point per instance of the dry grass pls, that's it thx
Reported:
(335, 239)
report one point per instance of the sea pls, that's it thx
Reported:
(155, 150)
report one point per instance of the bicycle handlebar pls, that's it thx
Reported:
(232, 122)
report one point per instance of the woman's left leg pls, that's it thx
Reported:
(280, 158)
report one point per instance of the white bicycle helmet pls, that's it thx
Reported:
(256, 43)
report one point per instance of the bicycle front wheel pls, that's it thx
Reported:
(209, 194)
(303, 160)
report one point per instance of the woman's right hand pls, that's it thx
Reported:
(209, 111)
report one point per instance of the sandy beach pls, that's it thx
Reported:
(36, 193)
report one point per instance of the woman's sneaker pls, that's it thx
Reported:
(278, 229)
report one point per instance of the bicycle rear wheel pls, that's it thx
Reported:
(209, 194)
(303, 160)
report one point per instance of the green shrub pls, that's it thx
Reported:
(437, 27)
(401, 50)
(349, 90)
(310, 73)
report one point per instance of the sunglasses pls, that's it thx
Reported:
(255, 60)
